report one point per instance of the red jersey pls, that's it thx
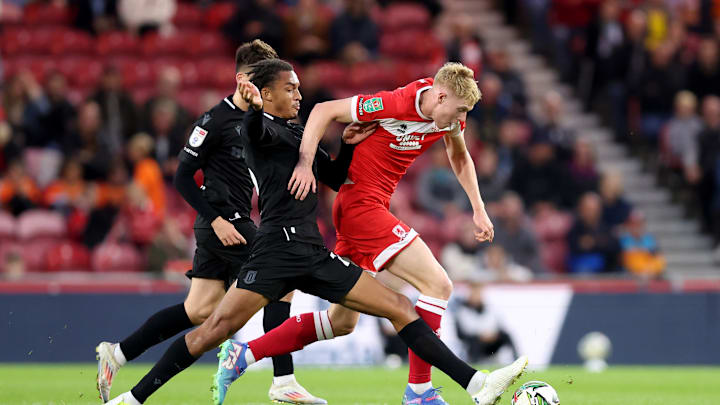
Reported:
(380, 161)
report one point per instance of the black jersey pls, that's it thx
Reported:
(216, 147)
(273, 152)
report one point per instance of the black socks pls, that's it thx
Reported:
(161, 326)
(176, 359)
(275, 314)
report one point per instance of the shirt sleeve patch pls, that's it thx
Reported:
(197, 137)
(372, 105)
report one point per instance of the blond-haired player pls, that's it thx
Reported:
(411, 119)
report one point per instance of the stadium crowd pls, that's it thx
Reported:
(98, 97)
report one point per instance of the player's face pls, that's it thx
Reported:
(285, 93)
(449, 110)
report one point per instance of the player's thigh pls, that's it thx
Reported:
(371, 297)
(417, 265)
(288, 297)
(343, 320)
(204, 295)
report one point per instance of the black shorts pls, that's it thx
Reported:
(277, 266)
(214, 261)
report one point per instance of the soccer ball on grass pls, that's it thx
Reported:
(535, 393)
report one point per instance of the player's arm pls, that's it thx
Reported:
(202, 142)
(333, 172)
(253, 125)
(303, 180)
(464, 170)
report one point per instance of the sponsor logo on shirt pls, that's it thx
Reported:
(197, 137)
(190, 151)
(408, 142)
(360, 106)
(372, 105)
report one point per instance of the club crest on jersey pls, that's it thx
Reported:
(373, 104)
(197, 137)
(400, 232)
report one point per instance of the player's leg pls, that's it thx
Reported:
(417, 265)
(285, 387)
(235, 309)
(371, 297)
(203, 297)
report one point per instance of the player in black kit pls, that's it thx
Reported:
(288, 253)
(223, 231)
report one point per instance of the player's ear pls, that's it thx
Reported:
(266, 94)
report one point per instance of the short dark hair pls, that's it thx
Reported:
(253, 52)
(265, 72)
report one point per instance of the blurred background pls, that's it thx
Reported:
(596, 144)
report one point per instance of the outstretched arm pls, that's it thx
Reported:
(464, 169)
(334, 172)
(303, 180)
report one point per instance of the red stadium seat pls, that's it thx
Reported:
(218, 14)
(404, 16)
(41, 224)
(187, 15)
(46, 15)
(137, 73)
(67, 256)
(73, 42)
(333, 74)
(373, 75)
(114, 257)
(160, 45)
(8, 227)
(34, 253)
(14, 40)
(204, 43)
(117, 43)
(81, 71)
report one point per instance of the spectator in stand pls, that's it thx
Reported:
(96, 16)
(709, 159)
(493, 108)
(465, 46)
(539, 177)
(512, 135)
(569, 19)
(492, 181)
(89, 144)
(256, 19)
(658, 23)
(168, 86)
(615, 209)
(703, 77)
(144, 16)
(497, 266)
(119, 113)
(47, 115)
(633, 62)
(307, 26)
(640, 252)
(60, 113)
(512, 83)
(582, 168)
(514, 233)
(461, 258)
(549, 125)
(70, 191)
(168, 134)
(110, 196)
(593, 248)
(147, 175)
(18, 94)
(682, 136)
(438, 191)
(9, 147)
(479, 328)
(656, 89)
(354, 35)
(18, 191)
(313, 92)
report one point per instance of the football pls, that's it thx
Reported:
(535, 393)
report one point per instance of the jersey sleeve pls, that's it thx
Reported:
(381, 105)
(203, 140)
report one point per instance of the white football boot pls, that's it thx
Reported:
(107, 368)
(293, 393)
(498, 381)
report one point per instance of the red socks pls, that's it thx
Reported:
(292, 335)
(431, 311)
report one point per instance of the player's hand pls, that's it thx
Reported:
(485, 231)
(227, 233)
(302, 181)
(250, 93)
(358, 132)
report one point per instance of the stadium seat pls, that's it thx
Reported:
(34, 253)
(187, 15)
(333, 74)
(73, 42)
(81, 71)
(114, 257)
(39, 14)
(117, 43)
(403, 16)
(204, 43)
(8, 227)
(373, 75)
(218, 14)
(137, 73)
(40, 224)
(14, 40)
(160, 45)
(67, 256)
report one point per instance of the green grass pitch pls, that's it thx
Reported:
(41, 384)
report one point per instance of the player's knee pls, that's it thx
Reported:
(403, 310)
(440, 287)
(343, 327)
(198, 313)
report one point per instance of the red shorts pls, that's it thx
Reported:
(367, 233)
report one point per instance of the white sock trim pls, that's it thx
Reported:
(249, 356)
(420, 388)
(433, 301)
(476, 383)
(323, 329)
(284, 379)
(128, 397)
(119, 355)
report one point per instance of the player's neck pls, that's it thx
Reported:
(427, 106)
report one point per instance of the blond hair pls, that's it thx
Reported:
(459, 79)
